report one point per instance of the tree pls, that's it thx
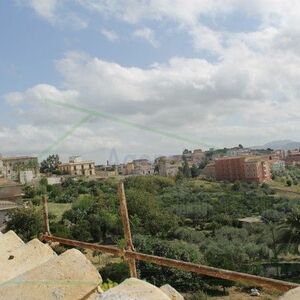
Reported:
(93, 218)
(50, 164)
(186, 151)
(26, 222)
(195, 171)
(289, 231)
(148, 215)
(117, 272)
(186, 171)
(179, 250)
(236, 186)
(241, 146)
(29, 191)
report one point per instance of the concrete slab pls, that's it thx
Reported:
(23, 259)
(293, 294)
(68, 276)
(134, 289)
(9, 241)
(171, 292)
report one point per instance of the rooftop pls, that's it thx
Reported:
(6, 158)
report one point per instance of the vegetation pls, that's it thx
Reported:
(50, 164)
(27, 223)
(186, 219)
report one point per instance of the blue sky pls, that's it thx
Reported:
(208, 72)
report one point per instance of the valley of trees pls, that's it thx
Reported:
(186, 219)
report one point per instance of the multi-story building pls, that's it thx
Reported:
(106, 171)
(195, 157)
(257, 170)
(253, 169)
(78, 167)
(277, 166)
(210, 170)
(23, 169)
(129, 168)
(142, 167)
(137, 167)
(168, 166)
(230, 168)
(293, 157)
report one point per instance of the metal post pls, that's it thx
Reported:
(126, 227)
(46, 216)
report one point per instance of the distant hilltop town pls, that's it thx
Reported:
(237, 163)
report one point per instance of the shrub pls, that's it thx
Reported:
(199, 295)
(116, 272)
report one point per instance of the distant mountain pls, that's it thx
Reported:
(281, 144)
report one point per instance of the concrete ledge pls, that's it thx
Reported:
(23, 259)
(134, 289)
(68, 276)
(9, 241)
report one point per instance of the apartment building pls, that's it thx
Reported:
(105, 171)
(194, 158)
(230, 168)
(253, 169)
(257, 170)
(170, 165)
(142, 167)
(78, 167)
(167, 166)
(23, 169)
(293, 157)
(137, 167)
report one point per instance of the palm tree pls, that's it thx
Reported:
(289, 231)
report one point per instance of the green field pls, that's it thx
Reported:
(282, 190)
(58, 209)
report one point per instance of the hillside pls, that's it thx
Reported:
(280, 144)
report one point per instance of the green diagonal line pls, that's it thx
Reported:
(125, 122)
(64, 136)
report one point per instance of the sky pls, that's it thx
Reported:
(119, 80)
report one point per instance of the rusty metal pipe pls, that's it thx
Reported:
(268, 283)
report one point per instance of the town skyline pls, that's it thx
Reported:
(115, 157)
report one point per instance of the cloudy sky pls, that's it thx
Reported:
(119, 79)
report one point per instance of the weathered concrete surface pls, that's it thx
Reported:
(9, 241)
(23, 259)
(293, 294)
(68, 276)
(171, 292)
(134, 289)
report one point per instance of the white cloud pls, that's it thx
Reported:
(246, 97)
(148, 35)
(109, 34)
(55, 12)
(46, 8)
